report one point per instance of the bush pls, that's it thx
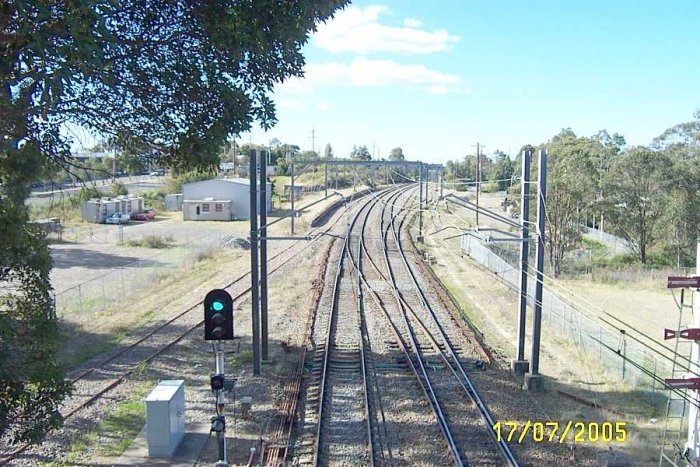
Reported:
(119, 189)
(151, 241)
(154, 199)
(490, 187)
(86, 193)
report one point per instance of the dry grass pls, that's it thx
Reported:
(84, 337)
(492, 307)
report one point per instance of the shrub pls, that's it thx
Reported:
(119, 189)
(490, 187)
(151, 241)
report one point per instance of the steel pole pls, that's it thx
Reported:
(263, 253)
(254, 285)
(478, 183)
(292, 196)
(533, 379)
(420, 202)
(520, 366)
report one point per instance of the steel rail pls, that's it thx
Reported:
(324, 372)
(485, 414)
(432, 397)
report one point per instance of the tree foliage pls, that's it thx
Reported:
(637, 198)
(328, 152)
(360, 153)
(164, 81)
(396, 154)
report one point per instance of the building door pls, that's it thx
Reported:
(197, 210)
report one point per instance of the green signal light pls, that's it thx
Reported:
(217, 306)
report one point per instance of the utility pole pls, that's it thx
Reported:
(254, 284)
(325, 176)
(313, 139)
(533, 379)
(291, 157)
(442, 184)
(519, 365)
(478, 180)
(420, 203)
(234, 156)
(263, 252)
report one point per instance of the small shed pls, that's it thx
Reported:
(173, 202)
(97, 209)
(208, 209)
(235, 190)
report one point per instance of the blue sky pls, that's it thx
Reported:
(436, 77)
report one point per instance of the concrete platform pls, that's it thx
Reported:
(186, 454)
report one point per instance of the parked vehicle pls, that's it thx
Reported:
(145, 215)
(118, 218)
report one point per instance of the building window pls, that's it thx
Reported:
(205, 207)
(218, 207)
(128, 206)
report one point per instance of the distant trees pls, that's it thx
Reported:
(637, 198)
(328, 152)
(396, 154)
(360, 153)
(648, 196)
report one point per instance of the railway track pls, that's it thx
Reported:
(338, 426)
(95, 382)
(438, 364)
(466, 416)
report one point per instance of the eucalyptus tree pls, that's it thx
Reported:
(177, 77)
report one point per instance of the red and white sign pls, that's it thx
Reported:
(683, 282)
(682, 383)
(691, 334)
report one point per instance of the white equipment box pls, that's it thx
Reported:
(165, 417)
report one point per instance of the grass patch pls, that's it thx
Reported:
(242, 358)
(150, 241)
(114, 434)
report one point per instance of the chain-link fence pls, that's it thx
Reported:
(623, 357)
(616, 245)
(125, 282)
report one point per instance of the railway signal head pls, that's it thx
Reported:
(218, 316)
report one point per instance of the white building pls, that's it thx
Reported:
(97, 209)
(220, 199)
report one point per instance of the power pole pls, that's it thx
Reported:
(325, 175)
(292, 193)
(533, 379)
(442, 184)
(420, 202)
(263, 252)
(254, 284)
(478, 180)
(313, 139)
(519, 365)
(234, 156)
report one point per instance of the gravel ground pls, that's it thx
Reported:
(190, 360)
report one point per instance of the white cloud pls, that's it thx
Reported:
(412, 23)
(358, 30)
(362, 72)
(323, 106)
